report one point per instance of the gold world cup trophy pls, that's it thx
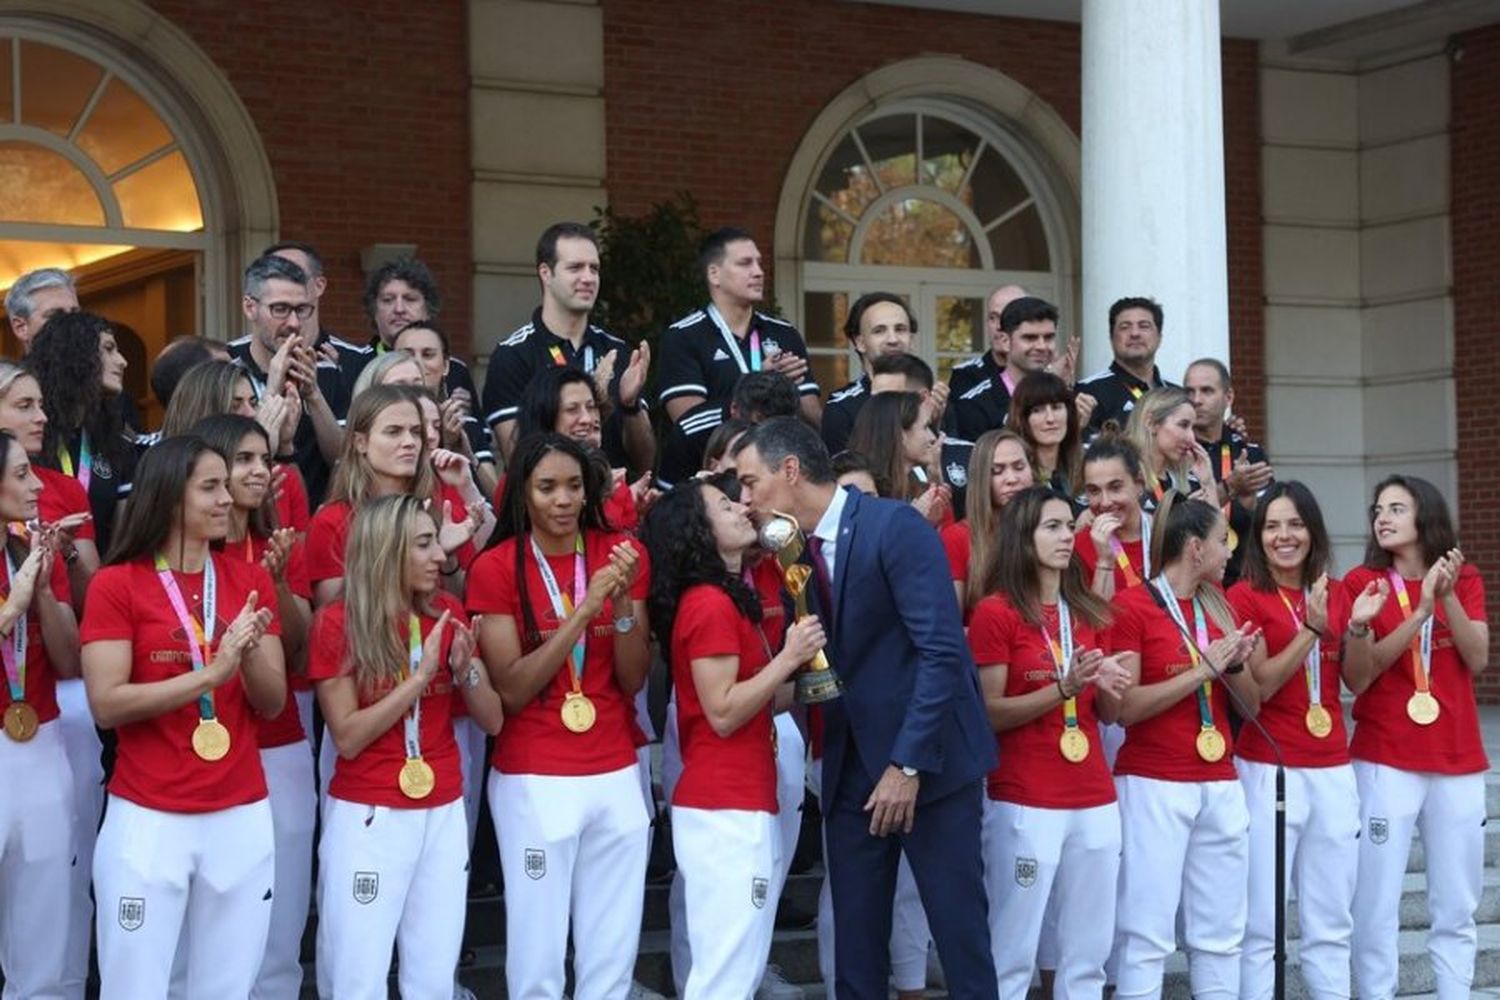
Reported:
(781, 535)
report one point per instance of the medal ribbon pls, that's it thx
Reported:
(1062, 655)
(411, 726)
(1200, 630)
(199, 636)
(1313, 665)
(1421, 644)
(1123, 561)
(1226, 467)
(85, 461)
(562, 604)
(14, 651)
(733, 342)
(1136, 391)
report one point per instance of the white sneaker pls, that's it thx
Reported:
(773, 986)
(639, 992)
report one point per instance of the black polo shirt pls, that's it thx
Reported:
(1116, 390)
(305, 452)
(1227, 451)
(352, 360)
(969, 373)
(840, 413)
(697, 356)
(955, 459)
(531, 348)
(983, 407)
(679, 455)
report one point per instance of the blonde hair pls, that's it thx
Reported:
(9, 372)
(1150, 413)
(981, 513)
(353, 478)
(375, 593)
(1179, 518)
(374, 373)
(205, 390)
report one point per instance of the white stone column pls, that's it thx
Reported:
(1153, 175)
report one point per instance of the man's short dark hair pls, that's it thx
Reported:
(1217, 365)
(716, 244)
(407, 269)
(1026, 309)
(764, 394)
(848, 462)
(782, 437)
(1135, 302)
(863, 304)
(173, 362)
(546, 244)
(908, 366)
(314, 259)
(268, 266)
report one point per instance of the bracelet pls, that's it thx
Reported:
(1313, 629)
(1359, 631)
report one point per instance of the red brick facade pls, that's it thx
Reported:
(713, 98)
(364, 113)
(1476, 304)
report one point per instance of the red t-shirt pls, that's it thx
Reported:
(956, 545)
(737, 771)
(62, 495)
(372, 776)
(1032, 769)
(1383, 733)
(535, 741)
(292, 503)
(40, 689)
(1083, 544)
(156, 766)
(1163, 746)
(327, 534)
(287, 727)
(1284, 714)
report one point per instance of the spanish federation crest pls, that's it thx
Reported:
(1026, 872)
(957, 474)
(132, 912)
(759, 889)
(366, 887)
(536, 863)
(1380, 830)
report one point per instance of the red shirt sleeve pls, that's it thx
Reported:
(325, 658)
(990, 632)
(107, 613)
(491, 585)
(1470, 591)
(325, 543)
(1125, 629)
(292, 509)
(956, 546)
(642, 586)
(706, 625)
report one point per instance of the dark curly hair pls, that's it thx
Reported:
(680, 541)
(513, 519)
(64, 357)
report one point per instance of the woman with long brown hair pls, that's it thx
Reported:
(904, 453)
(1044, 413)
(1002, 459)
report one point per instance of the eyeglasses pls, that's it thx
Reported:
(281, 310)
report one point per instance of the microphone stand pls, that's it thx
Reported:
(1278, 959)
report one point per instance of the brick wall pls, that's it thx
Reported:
(363, 111)
(1475, 151)
(712, 97)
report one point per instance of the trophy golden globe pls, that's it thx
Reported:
(816, 682)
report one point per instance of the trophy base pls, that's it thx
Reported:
(816, 686)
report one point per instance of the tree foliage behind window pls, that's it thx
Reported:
(648, 268)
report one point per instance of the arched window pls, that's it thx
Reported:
(934, 202)
(89, 168)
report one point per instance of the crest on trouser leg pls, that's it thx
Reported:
(536, 863)
(1026, 872)
(366, 887)
(132, 912)
(759, 889)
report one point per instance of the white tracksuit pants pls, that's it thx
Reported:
(391, 875)
(1449, 811)
(36, 861)
(1184, 841)
(1069, 856)
(159, 875)
(472, 763)
(572, 849)
(294, 815)
(81, 743)
(1322, 857)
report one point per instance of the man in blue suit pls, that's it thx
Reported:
(906, 747)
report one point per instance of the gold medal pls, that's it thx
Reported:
(1074, 745)
(417, 780)
(1319, 722)
(211, 739)
(1211, 744)
(1422, 708)
(20, 721)
(578, 712)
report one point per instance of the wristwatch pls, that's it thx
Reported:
(1359, 631)
(625, 625)
(470, 678)
(910, 772)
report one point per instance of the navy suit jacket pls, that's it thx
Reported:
(896, 638)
